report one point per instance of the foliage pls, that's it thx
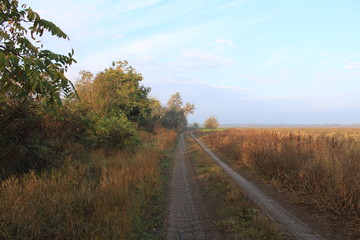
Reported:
(19, 127)
(121, 105)
(116, 89)
(25, 68)
(196, 125)
(175, 101)
(107, 197)
(116, 130)
(112, 109)
(34, 137)
(175, 114)
(108, 109)
(211, 122)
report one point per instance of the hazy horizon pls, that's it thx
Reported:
(285, 125)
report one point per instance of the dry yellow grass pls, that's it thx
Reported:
(236, 215)
(320, 165)
(101, 199)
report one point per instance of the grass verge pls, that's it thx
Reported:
(110, 196)
(235, 214)
(149, 224)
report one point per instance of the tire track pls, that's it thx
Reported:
(287, 221)
(188, 218)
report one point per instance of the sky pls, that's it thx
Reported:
(244, 61)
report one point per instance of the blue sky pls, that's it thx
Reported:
(244, 61)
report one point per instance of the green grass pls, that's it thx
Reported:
(211, 129)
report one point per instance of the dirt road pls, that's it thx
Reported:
(188, 217)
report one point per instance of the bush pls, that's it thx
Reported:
(20, 123)
(211, 122)
(34, 137)
(116, 130)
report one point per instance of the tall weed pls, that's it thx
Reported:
(324, 168)
(103, 198)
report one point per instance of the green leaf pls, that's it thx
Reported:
(26, 69)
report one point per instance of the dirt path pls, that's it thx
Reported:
(288, 221)
(188, 217)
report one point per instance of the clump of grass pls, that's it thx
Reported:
(322, 167)
(235, 214)
(105, 198)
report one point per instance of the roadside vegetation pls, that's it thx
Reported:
(235, 214)
(78, 162)
(320, 166)
(109, 196)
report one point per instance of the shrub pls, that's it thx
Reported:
(211, 122)
(116, 130)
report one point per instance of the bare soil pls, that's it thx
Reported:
(188, 217)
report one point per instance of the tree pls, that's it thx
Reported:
(116, 89)
(26, 69)
(175, 114)
(188, 109)
(211, 122)
(175, 101)
(195, 125)
(119, 102)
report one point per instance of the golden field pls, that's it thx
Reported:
(320, 165)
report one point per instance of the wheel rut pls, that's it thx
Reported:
(287, 220)
(188, 218)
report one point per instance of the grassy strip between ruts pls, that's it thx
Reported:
(235, 214)
(149, 224)
(110, 196)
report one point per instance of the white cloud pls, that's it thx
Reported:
(107, 34)
(127, 6)
(198, 60)
(277, 58)
(352, 66)
(148, 45)
(260, 78)
(221, 44)
(234, 88)
(145, 58)
(282, 98)
(330, 76)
